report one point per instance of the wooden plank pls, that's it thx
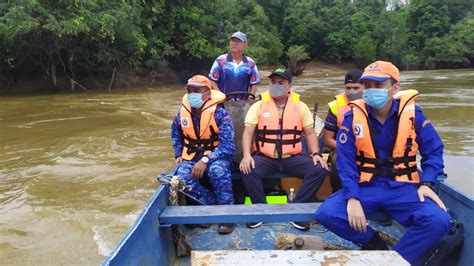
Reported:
(296, 257)
(299, 212)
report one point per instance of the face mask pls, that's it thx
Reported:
(277, 90)
(375, 97)
(354, 94)
(195, 100)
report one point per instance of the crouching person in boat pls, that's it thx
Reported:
(279, 119)
(202, 135)
(377, 145)
(337, 108)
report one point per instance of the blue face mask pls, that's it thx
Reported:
(195, 100)
(375, 97)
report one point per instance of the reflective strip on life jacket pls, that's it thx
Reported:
(282, 135)
(402, 165)
(196, 145)
(339, 107)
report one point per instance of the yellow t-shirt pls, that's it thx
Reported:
(251, 119)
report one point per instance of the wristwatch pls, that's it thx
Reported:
(317, 153)
(205, 159)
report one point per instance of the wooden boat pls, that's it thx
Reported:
(158, 236)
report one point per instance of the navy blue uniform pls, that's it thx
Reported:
(426, 222)
(220, 159)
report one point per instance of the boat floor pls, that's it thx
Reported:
(265, 237)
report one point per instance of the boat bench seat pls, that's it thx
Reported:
(268, 213)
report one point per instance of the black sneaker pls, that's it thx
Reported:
(225, 229)
(375, 243)
(204, 225)
(192, 226)
(254, 225)
(303, 226)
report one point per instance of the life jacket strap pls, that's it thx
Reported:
(389, 161)
(392, 172)
(409, 145)
(293, 141)
(199, 146)
(266, 131)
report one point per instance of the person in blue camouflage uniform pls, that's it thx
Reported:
(220, 159)
(217, 163)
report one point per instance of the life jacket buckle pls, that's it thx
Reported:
(393, 171)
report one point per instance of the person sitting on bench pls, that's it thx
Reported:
(202, 135)
(279, 120)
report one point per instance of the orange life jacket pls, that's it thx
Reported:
(339, 107)
(282, 135)
(196, 145)
(402, 165)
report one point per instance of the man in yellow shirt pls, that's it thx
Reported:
(278, 121)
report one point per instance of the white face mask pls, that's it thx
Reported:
(277, 90)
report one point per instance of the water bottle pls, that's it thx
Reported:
(291, 196)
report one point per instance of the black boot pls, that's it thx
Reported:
(375, 243)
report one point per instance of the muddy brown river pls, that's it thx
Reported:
(76, 169)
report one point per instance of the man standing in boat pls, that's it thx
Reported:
(337, 108)
(279, 120)
(377, 145)
(202, 135)
(235, 72)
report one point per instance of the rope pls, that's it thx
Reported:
(182, 247)
(392, 241)
(329, 246)
(175, 187)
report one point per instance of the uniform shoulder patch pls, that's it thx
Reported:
(342, 138)
(426, 122)
(344, 128)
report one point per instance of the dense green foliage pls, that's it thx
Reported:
(82, 37)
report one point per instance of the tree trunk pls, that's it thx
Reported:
(53, 75)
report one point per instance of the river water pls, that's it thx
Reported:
(76, 169)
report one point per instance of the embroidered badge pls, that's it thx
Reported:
(342, 138)
(358, 131)
(184, 122)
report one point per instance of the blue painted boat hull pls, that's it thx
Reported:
(150, 243)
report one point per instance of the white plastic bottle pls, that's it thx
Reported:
(291, 196)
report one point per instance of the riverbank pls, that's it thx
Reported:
(127, 78)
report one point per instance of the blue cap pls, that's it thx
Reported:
(239, 35)
(378, 79)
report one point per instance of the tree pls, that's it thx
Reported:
(72, 37)
(365, 51)
(426, 19)
(296, 54)
(454, 49)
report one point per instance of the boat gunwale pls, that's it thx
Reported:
(457, 194)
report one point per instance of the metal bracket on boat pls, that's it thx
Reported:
(164, 178)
